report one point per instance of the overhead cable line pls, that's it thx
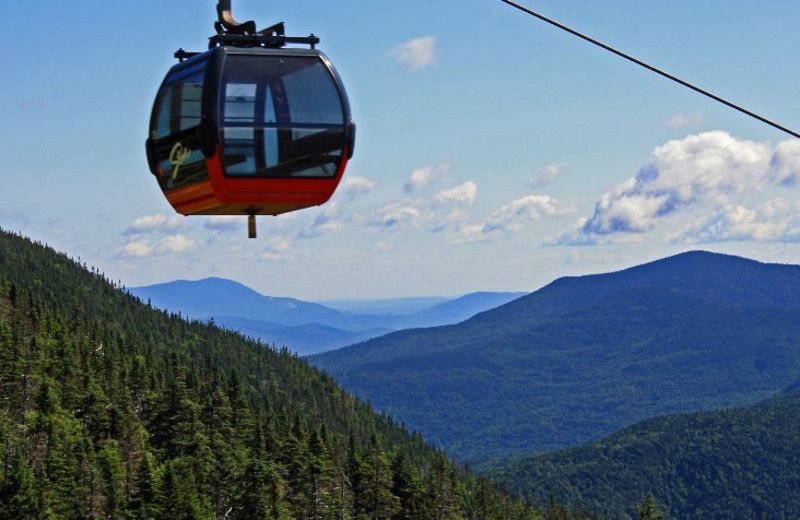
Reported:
(651, 68)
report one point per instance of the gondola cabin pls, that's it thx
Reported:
(250, 131)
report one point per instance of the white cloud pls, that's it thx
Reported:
(396, 214)
(356, 185)
(226, 223)
(785, 163)
(705, 170)
(465, 193)
(693, 119)
(176, 244)
(415, 54)
(511, 218)
(548, 174)
(326, 221)
(154, 223)
(532, 207)
(276, 249)
(138, 249)
(141, 247)
(774, 221)
(425, 175)
(332, 217)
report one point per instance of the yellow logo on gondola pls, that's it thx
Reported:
(177, 156)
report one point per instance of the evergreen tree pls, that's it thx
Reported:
(144, 498)
(113, 479)
(442, 489)
(409, 488)
(650, 510)
(263, 495)
(18, 490)
(375, 500)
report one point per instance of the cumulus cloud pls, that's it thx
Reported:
(713, 172)
(326, 221)
(142, 247)
(396, 214)
(138, 249)
(414, 54)
(465, 193)
(355, 186)
(785, 164)
(548, 174)
(511, 218)
(176, 244)
(425, 175)
(276, 249)
(701, 169)
(693, 119)
(153, 223)
(226, 223)
(774, 221)
(332, 216)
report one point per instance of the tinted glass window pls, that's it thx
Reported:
(282, 116)
(177, 115)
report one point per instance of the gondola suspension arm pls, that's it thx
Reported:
(651, 68)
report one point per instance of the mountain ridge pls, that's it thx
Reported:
(585, 356)
(303, 327)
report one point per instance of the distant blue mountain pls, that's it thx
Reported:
(458, 309)
(308, 339)
(304, 327)
(217, 297)
(384, 306)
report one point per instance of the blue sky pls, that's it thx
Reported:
(494, 152)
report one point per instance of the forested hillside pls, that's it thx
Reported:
(740, 463)
(111, 409)
(586, 356)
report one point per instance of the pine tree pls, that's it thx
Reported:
(18, 490)
(442, 490)
(409, 487)
(144, 499)
(376, 501)
(650, 510)
(263, 493)
(112, 475)
(322, 477)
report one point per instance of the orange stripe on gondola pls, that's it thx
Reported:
(192, 199)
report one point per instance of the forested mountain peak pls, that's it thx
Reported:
(584, 356)
(713, 277)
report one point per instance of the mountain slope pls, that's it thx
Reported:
(586, 356)
(740, 463)
(109, 408)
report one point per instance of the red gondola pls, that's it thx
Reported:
(250, 127)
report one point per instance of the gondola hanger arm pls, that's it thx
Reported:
(227, 22)
(244, 34)
(650, 67)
